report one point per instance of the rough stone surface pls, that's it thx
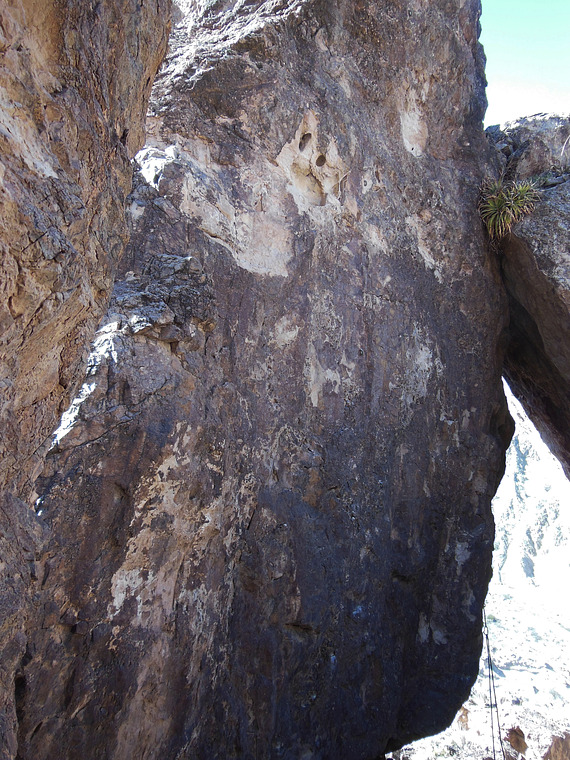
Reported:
(533, 145)
(536, 269)
(559, 749)
(268, 510)
(74, 84)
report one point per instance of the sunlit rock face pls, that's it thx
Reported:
(269, 507)
(74, 84)
(536, 267)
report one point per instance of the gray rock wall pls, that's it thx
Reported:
(268, 510)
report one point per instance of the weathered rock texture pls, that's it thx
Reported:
(74, 84)
(269, 507)
(536, 267)
(560, 748)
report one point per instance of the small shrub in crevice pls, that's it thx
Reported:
(503, 204)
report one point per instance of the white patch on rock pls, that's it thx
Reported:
(315, 172)
(71, 415)
(462, 554)
(103, 346)
(136, 210)
(258, 237)
(285, 332)
(420, 365)
(438, 635)
(153, 591)
(413, 127)
(22, 135)
(317, 377)
(152, 161)
(125, 583)
(423, 629)
(368, 182)
(376, 237)
(265, 245)
(417, 226)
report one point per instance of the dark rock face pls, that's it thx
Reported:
(268, 510)
(74, 84)
(536, 267)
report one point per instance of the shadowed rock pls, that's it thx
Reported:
(536, 269)
(269, 506)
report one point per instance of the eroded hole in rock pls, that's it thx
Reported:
(321, 160)
(304, 141)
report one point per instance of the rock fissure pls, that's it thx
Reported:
(536, 273)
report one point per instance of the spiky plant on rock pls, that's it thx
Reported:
(502, 204)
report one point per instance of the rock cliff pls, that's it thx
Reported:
(263, 527)
(75, 78)
(267, 512)
(535, 262)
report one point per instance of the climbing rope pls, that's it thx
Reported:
(493, 703)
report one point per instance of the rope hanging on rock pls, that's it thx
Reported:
(493, 703)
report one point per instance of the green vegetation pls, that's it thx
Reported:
(503, 204)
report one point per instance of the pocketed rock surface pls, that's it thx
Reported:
(268, 509)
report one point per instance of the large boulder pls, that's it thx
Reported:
(269, 506)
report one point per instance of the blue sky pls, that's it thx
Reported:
(527, 43)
